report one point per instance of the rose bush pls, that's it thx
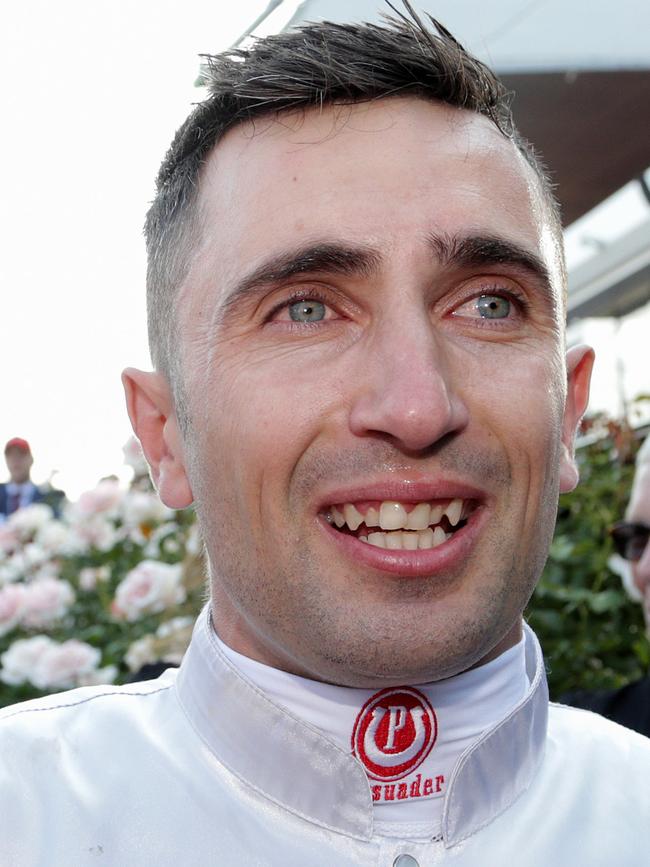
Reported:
(49, 665)
(115, 583)
(12, 606)
(148, 588)
(592, 632)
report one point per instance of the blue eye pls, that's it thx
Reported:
(307, 311)
(493, 307)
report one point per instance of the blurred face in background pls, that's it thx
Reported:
(19, 463)
(638, 512)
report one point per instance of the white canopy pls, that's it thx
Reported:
(519, 36)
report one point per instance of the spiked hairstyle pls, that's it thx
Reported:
(309, 67)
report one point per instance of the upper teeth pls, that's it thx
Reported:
(393, 515)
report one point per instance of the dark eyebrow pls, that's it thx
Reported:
(364, 261)
(476, 251)
(330, 258)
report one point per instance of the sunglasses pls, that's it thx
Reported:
(630, 539)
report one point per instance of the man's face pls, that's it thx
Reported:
(367, 321)
(19, 463)
(638, 512)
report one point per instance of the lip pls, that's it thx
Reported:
(409, 564)
(403, 492)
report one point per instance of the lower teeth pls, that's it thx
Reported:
(407, 540)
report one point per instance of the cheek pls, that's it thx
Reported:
(517, 392)
(516, 401)
(257, 414)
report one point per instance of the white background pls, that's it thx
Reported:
(91, 92)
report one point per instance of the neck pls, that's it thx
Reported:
(447, 716)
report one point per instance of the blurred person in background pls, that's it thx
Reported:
(20, 490)
(629, 705)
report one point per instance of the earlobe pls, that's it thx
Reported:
(153, 418)
(580, 361)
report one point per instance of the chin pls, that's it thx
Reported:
(383, 662)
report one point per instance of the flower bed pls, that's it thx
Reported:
(112, 585)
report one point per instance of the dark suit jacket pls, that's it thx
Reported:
(50, 496)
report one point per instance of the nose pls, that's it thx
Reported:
(406, 386)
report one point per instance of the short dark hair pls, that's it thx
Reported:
(308, 67)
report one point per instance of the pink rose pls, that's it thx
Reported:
(104, 498)
(53, 536)
(9, 538)
(19, 662)
(134, 458)
(28, 521)
(63, 665)
(150, 587)
(98, 676)
(12, 606)
(90, 576)
(46, 600)
(143, 507)
(94, 531)
(141, 652)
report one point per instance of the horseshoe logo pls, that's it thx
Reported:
(394, 732)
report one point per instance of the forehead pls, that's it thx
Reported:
(15, 452)
(385, 174)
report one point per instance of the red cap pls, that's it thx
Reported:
(18, 443)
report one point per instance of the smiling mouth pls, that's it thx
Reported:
(400, 526)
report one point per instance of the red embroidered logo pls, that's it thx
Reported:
(394, 732)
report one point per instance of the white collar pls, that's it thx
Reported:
(459, 709)
(296, 766)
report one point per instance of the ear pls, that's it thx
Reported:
(151, 410)
(580, 361)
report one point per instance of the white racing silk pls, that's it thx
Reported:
(201, 767)
(465, 706)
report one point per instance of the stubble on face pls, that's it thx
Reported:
(269, 428)
(359, 630)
